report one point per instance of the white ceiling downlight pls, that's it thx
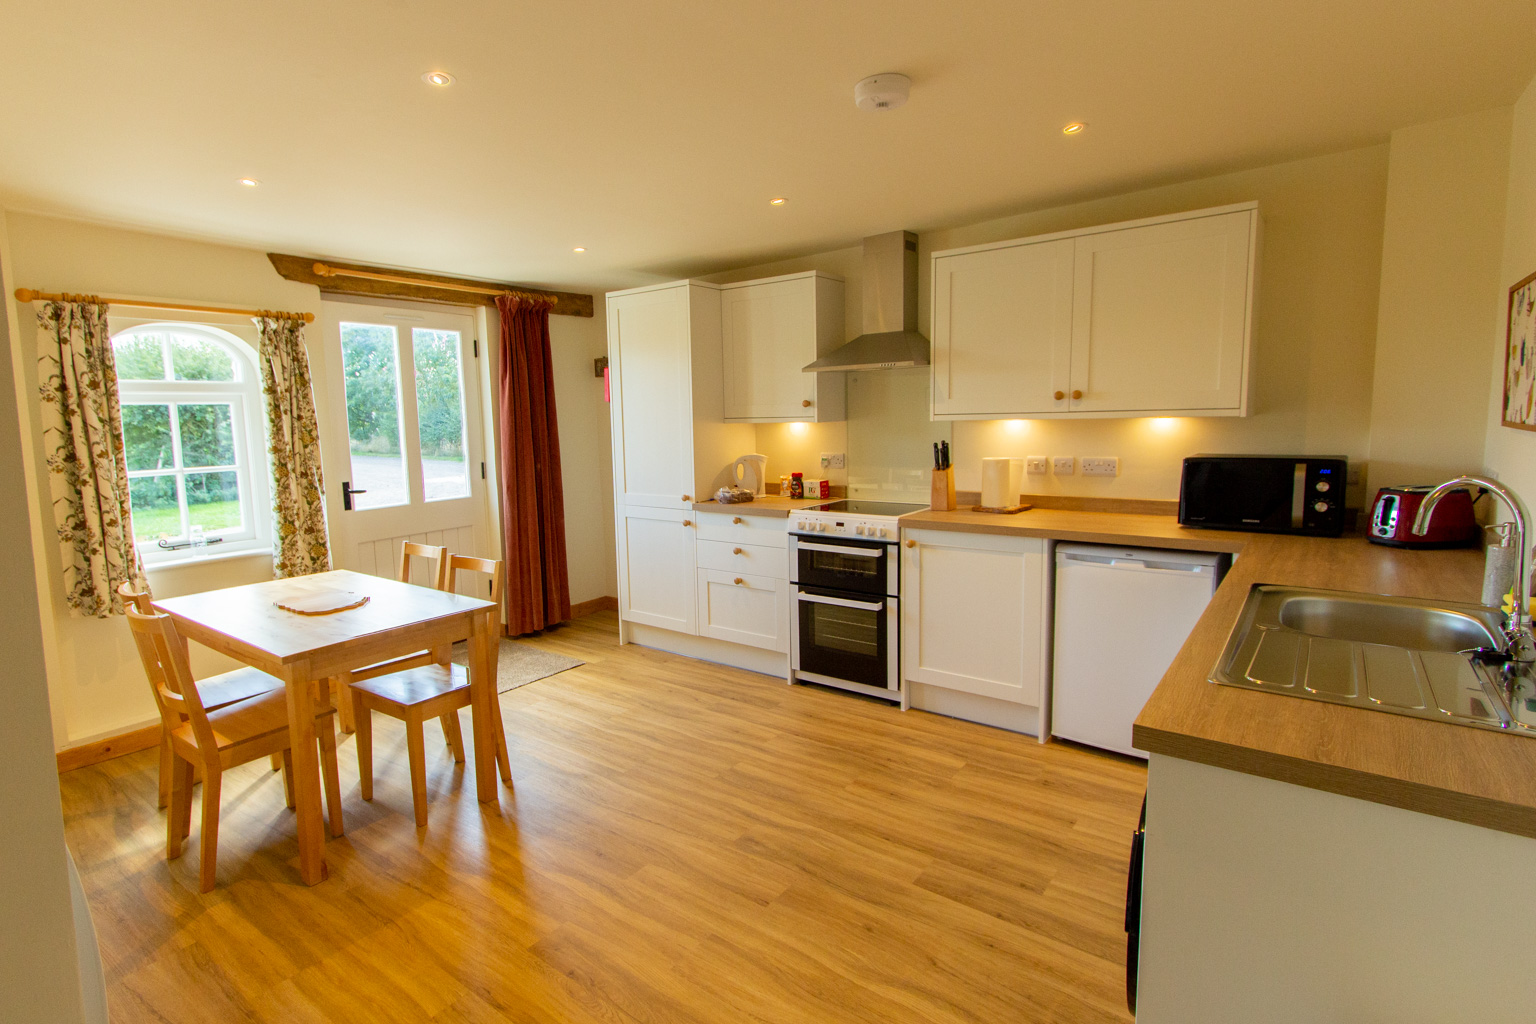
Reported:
(438, 78)
(885, 91)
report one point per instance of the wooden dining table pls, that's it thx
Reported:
(397, 620)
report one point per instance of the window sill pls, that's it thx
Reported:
(181, 559)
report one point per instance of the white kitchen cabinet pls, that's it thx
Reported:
(671, 444)
(656, 568)
(744, 609)
(974, 614)
(1002, 338)
(1145, 318)
(771, 329)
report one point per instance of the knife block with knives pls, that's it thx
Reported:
(941, 497)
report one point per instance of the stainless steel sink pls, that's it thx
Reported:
(1399, 655)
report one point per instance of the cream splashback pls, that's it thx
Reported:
(890, 437)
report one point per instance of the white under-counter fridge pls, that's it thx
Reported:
(1121, 616)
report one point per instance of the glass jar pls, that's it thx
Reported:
(797, 485)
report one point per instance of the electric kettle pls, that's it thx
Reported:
(751, 472)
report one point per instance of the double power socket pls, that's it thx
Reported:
(1066, 465)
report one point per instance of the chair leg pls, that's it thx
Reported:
(177, 821)
(416, 747)
(209, 840)
(285, 758)
(346, 708)
(452, 734)
(364, 723)
(276, 761)
(325, 733)
(502, 760)
(167, 767)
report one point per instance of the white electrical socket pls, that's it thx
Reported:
(1036, 465)
(833, 460)
(1109, 466)
(1063, 465)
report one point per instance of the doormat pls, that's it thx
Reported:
(519, 663)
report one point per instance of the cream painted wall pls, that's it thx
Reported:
(39, 979)
(96, 682)
(1510, 452)
(1313, 334)
(1440, 268)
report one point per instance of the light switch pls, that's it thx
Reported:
(1063, 465)
(1037, 465)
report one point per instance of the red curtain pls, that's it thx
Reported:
(533, 501)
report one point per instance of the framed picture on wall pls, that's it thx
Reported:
(1520, 357)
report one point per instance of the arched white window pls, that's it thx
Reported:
(194, 439)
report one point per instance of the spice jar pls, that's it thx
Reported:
(797, 485)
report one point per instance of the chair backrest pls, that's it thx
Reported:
(170, 676)
(438, 556)
(135, 598)
(492, 567)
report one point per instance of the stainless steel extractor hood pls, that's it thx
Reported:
(890, 339)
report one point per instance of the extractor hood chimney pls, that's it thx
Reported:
(890, 339)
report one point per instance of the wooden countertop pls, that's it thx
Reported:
(767, 505)
(1472, 775)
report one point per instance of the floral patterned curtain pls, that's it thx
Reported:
(87, 470)
(299, 545)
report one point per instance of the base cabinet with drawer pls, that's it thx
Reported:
(743, 609)
(975, 625)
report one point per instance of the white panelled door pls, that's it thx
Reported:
(404, 392)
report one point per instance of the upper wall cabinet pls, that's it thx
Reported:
(771, 329)
(1147, 318)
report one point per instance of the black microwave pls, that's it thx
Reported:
(1264, 493)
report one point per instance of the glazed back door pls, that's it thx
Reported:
(405, 386)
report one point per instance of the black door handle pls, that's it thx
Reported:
(347, 490)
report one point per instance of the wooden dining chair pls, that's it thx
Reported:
(437, 689)
(411, 553)
(215, 692)
(216, 740)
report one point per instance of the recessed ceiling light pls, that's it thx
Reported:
(579, 248)
(778, 201)
(1075, 128)
(437, 78)
(249, 182)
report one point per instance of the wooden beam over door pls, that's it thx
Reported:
(302, 269)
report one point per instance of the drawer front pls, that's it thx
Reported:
(752, 610)
(769, 531)
(748, 559)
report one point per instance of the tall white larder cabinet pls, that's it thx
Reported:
(1121, 616)
(671, 444)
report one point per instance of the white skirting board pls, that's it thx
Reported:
(1000, 714)
(753, 659)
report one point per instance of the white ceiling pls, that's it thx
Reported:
(653, 133)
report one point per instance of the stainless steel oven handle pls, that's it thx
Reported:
(840, 601)
(838, 550)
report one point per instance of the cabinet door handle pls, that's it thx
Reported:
(687, 522)
(735, 551)
(687, 497)
(805, 403)
(736, 519)
(1060, 395)
(739, 581)
(1076, 395)
(911, 543)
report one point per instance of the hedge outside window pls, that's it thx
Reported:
(191, 400)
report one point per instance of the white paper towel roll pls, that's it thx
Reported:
(1000, 482)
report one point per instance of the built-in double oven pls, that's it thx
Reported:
(845, 632)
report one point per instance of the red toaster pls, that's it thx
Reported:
(1453, 524)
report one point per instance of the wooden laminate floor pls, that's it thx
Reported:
(686, 843)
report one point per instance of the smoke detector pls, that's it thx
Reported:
(882, 92)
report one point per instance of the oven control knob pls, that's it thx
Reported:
(1322, 486)
(799, 526)
(821, 527)
(1321, 506)
(859, 529)
(883, 532)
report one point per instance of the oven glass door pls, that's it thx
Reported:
(841, 565)
(843, 636)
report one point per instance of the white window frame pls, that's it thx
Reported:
(253, 467)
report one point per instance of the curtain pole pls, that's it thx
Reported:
(28, 295)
